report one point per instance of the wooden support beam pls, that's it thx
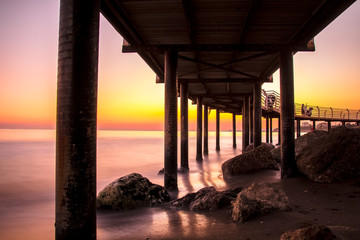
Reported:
(218, 67)
(217, 130)
(206, 48)
(170, 149)
(199, 130)
(75, 200)
(225, 80)
(184, 125)
(234, 61)
(288, 162)
(329, 125)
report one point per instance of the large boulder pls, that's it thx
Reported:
(251, 146)
(329, 156)
(207, 199)
(314, 232)
(254, 160)
(131, 191)
(259, 199)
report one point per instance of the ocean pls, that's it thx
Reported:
(27, 181)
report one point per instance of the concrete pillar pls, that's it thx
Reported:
(246, 120)
(217, 130)
(314, 125)
(184, 125)
(206, 130)
(288, 163)
(298, 128)
(271, 131)
(267, 128)
(257, 114)
(75, 203)
(251, 119)
(357, 123)
(329, 125)
(170, 149)
(279, 130)
(343, 123)
(199, 130)
(234, 130)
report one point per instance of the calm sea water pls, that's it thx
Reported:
(27, 178)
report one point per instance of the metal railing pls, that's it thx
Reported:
(271, 101)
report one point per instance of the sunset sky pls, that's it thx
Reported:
(128, 96)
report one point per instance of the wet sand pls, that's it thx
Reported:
(336, 205)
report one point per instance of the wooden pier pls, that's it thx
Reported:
(219, 52)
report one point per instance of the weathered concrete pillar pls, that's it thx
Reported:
(206, 130)
(257, 114)
(234, 130)
(199, 130)
(271, 130)
(170, 150)
(246, 120)
(298, 128)
(279, 130)
(217, 130)
(314, 125)
(184, 125)
(329, 125)
(267, 128)
(76, 120)
(288, 163)
(251, 119)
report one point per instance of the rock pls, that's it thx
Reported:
(314, 232)
(254, 160)
(251, 146)
(131, 191)
(259, 199)
(329, 156)
(276, 153)
(207, 199)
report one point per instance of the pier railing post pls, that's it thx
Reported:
(75, 203)
(199, 130)
(184, 125)
(288, 163)
(170, 141)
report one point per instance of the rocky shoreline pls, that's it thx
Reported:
(339, 149)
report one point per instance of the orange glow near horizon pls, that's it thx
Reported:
(128, 97)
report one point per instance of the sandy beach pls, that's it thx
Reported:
(335, 205)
